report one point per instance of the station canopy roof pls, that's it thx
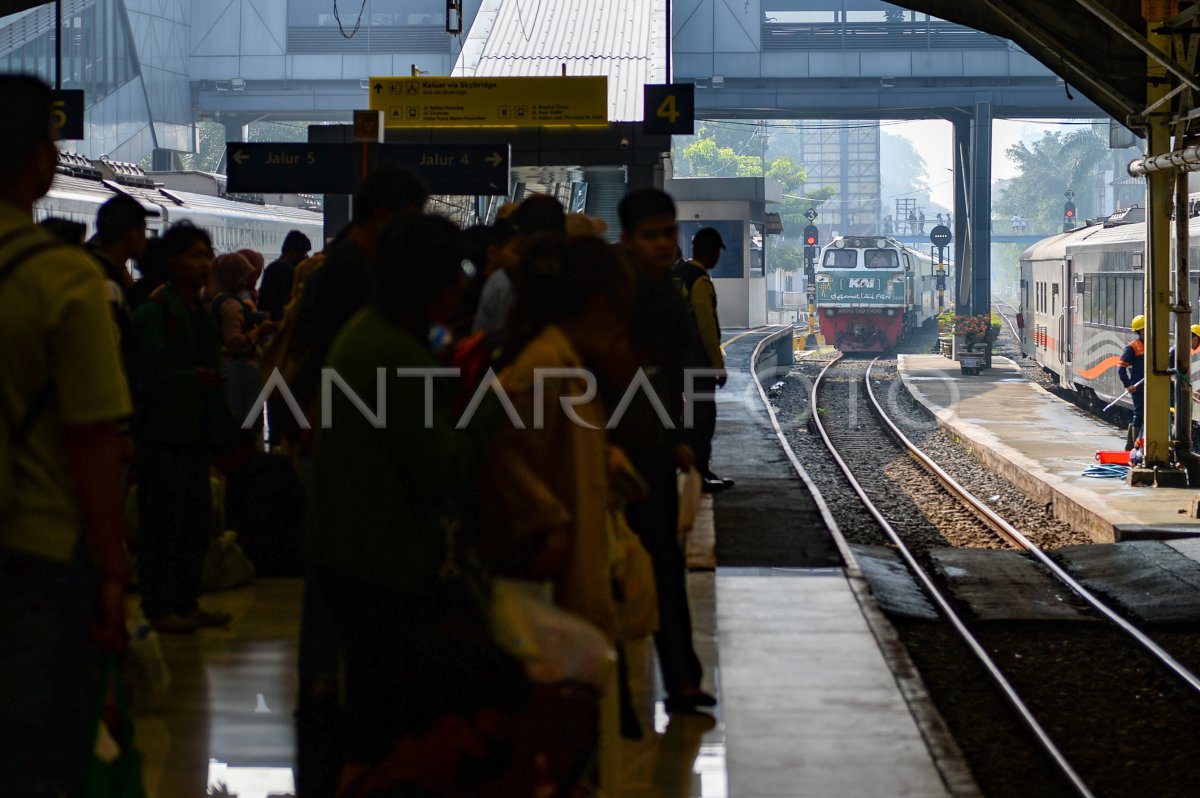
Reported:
(1085, 50)
(1071, 41)
(13, 6)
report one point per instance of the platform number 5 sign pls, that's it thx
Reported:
(66, 114)
(670, 109)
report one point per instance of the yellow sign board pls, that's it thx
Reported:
(491, 102)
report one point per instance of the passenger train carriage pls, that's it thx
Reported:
(1079, 292)
(871, 291)
(231, 224)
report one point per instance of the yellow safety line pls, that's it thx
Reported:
(741, 335)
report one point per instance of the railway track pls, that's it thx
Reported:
(872, 453)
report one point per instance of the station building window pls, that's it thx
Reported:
(98, 54)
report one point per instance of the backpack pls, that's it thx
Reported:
(684, 276)
(17, 430)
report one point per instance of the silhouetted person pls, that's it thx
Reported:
(276, 289)
(62, 390)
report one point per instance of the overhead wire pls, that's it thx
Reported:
(357, 22)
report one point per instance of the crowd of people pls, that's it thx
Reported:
(463, 408)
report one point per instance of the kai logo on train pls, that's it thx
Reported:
(862, 282)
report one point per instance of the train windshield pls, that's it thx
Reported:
(840, 259)
(881, 259)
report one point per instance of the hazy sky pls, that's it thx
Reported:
(933, 141)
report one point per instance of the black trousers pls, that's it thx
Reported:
(174, 526)
(654, 521)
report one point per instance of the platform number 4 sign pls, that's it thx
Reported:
(670, 109)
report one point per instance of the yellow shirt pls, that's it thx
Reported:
(704, 305)
(55, 323)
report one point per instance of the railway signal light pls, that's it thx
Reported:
(810, 235)
(1068, 216)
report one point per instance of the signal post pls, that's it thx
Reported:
(940, 237)
(814, 339)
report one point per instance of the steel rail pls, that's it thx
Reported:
(1011, 325)
(942, 602)
(1012, 533)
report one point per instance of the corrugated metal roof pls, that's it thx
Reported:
(622, 39)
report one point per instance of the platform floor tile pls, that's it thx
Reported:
(809, 704)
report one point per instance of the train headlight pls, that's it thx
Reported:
(881, 242)
(891, 311)
(831, 312)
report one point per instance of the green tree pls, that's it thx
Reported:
(1047, 169)
(706, 158)
(783, 256)
(738, 149)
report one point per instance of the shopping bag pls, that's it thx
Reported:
(689, 501)
(634, 591)
(115, 769)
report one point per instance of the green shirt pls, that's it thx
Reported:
(382, 488)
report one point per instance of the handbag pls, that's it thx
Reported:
(115, 769)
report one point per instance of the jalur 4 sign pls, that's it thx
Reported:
(337, 168)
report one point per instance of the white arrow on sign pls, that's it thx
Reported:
(240, 157)
(495, 159)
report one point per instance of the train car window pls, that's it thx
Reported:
(1086, 301)
(1128, 311)
(881, 259)
(840, 259)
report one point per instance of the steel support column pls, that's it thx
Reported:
(1159, 192)
(981, 209)
(962, 216)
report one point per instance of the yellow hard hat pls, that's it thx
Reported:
(1196, 329)
(1138, 323)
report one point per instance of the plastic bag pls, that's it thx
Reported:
(146, 667)
(635, 593)
(115, 769)
(555, 645)
(689, 485)
(226, 566)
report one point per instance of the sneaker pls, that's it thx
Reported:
(174, 625)
(209, 620)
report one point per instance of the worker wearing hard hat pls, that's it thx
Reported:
(1179, 389)
(1131, 371)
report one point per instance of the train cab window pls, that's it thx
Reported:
(881, 259)
(840, 259)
